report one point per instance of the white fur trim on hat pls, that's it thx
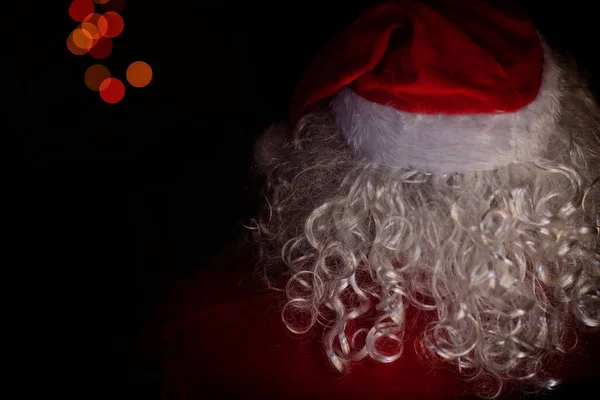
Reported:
(451, 143)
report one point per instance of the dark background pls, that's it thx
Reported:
(118, 201)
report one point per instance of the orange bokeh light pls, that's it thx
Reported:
(80, 9)
(102, 49)
(83, 39)
(98, 21)
(112, 90)
(91, 30)
(112, 23)
(74, 48)
(95, 75)
(139, 74)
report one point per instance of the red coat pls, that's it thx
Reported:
(221, 333)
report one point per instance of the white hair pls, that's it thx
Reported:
(501, 260)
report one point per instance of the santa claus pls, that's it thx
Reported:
(435, 196)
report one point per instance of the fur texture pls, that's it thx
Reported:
(451, 143)
(503, 261)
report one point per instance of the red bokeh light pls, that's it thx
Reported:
(98, 21)
(112, 24)
(94, 35)
(112, 90)
(102, 48)
(80, 9)
(113, 5)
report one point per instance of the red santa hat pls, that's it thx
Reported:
(445, 87)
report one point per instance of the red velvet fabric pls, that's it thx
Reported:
(234, 344)
(220, 334)
(449, 57)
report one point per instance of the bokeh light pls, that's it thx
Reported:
(112, 90)
(74, 48)
(113, 5)
(91, 30)
(102, 49)
(112, 24)
(94, 36)
(139, 74)
(80, 9)
(83, 39)
(98, 21)
(95, 75)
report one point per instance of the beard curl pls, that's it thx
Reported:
(504, 262)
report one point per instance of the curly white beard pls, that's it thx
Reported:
(502, 260)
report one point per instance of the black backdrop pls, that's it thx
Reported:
(120, 200)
